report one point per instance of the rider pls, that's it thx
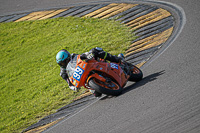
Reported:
(63, 57)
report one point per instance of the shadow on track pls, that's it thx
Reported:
(144, 81)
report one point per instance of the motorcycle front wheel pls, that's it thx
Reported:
(108, 88)
(136, 74)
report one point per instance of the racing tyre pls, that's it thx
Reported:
(136, 74)
(108, 88)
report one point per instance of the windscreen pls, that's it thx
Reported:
(71, 66)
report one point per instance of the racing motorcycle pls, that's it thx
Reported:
(101, 76)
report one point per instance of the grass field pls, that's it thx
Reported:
(30, 84)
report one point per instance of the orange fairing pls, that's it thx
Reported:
(81, 75)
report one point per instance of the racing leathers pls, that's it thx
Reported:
(96, 53)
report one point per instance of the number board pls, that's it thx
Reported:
(78, 73)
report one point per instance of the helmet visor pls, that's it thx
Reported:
(64, 63)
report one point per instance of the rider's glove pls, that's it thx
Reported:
(73, 88)
(93, 53)
(89, 55)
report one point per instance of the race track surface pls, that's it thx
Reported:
(167, 100)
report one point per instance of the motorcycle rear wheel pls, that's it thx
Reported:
(136, 74)
(108, 88)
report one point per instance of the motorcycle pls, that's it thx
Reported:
(102, 77)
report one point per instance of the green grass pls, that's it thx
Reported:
(30, 84)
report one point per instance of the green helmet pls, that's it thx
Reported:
(63, 57)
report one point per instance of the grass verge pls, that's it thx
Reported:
(30, 85)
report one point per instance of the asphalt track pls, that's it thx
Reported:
(167, 100)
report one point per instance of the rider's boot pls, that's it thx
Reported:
(126, 66)
(121, 56)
